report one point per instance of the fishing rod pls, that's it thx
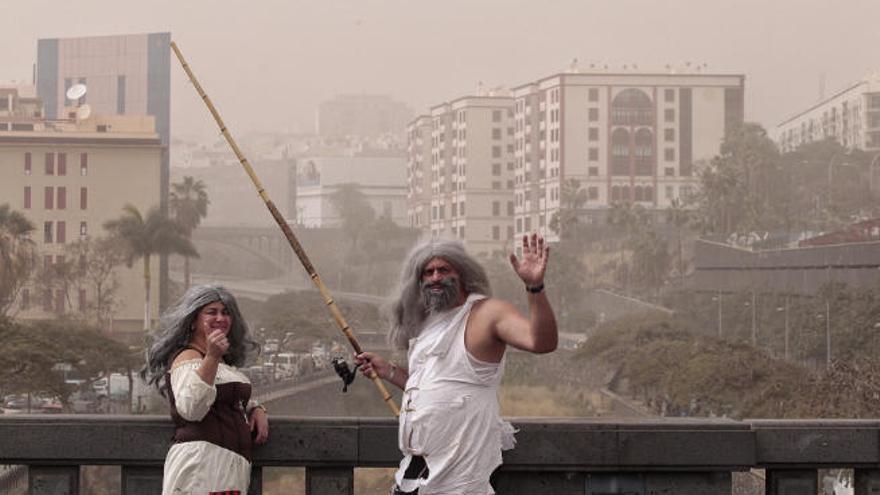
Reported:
(288, 232)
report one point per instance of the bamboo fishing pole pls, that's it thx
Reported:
(288, 232)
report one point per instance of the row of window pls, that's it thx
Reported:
(55, 198)
(56, 232)
(53, 301)
(56, 163)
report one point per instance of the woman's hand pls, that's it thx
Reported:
(217, 344)
(260, 425)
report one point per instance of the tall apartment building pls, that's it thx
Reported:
(68, 178)
(471, 171)
(851, 117)
(418, 172)
(624, 137)
(125, 75)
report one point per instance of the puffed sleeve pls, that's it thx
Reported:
(192, 396)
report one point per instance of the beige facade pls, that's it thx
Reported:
(70, 178)
(471, 167)
(418, 172)
(624, 137)
(850, 117)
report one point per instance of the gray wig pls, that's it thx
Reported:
(176, 328)
(408, 311)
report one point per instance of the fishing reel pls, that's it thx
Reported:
(348, 374)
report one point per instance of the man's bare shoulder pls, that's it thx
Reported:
(493, 308)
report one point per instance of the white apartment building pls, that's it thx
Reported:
(851, 117)
(471, 171)
(380, 179)
(625, 137)
(418, 172)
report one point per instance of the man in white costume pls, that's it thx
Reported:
(451, 433)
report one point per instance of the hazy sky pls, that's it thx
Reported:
(267, 63)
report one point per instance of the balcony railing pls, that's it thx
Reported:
(553, 456)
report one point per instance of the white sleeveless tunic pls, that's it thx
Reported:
(449, 411)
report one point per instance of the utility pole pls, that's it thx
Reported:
(827, 334)
(754, 321)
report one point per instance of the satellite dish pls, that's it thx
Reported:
(76, 91)
(83, 112)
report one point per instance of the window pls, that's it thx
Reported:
(669, 135)
(62, 163)
(669, 95)
(593, 94)
(50, 163)
(669, 171)
(510, 208)
(62, 197)
(27, 163)
(519, 225)
(461, 232)
(594, 133)
(528, 224)
(120, 95)
(496, 151)
(592, 193)
(454, 210)
(496, 133)
(83, 164)
(61, 232)
(496, 184)
(669, 192)
(47, 232)
(594, 154)
(593, 171)
(496, 169)
(49, 197)
(593, 115)
(669, 115)
(442, 212)
(496, 208)
(83, 229)
(82, 300)
(496, 233)
(509, 232)
(83, 198)
(669, 154)
(496, 115)
(27, 197)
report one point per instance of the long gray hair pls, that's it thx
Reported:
(176, 328)
(408, 312)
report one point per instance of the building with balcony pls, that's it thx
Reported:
(68, 178)
(633, 137)
(850, 117)
(470, 171)
(418, 172)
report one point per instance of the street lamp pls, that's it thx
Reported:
(718, 298)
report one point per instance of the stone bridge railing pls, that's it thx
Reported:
(553, 456)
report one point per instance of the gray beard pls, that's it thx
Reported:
(437, 302)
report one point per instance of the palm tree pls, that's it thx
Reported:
(189, 205)
(17, 255)
(144, 236)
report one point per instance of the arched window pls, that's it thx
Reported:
(644, 151)
(638, 193)
(624, 192)
(620, 151)
(632, 107)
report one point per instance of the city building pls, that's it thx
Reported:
(471, 171)
(363, 115)
(418, 172)
(380, 179)
(632, 137)
(851, 117)
(125, 75)
(68, 178)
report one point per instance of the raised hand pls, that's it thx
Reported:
(217, 344)
(533, 265)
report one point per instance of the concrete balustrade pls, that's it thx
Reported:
(552, 456)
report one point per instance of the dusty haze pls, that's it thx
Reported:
(268, 63)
